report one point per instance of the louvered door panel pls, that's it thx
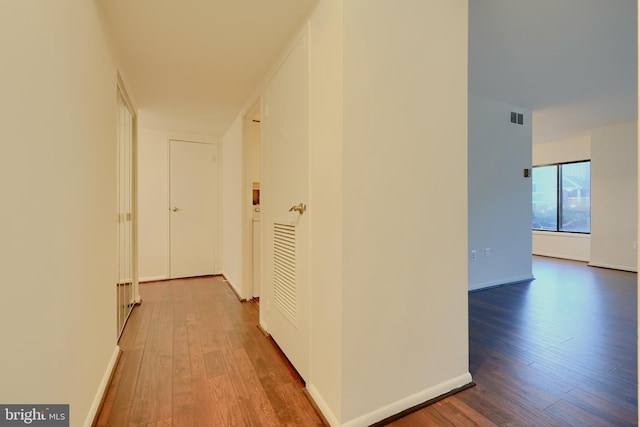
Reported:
(284, 270)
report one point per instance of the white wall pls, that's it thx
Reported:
(325, 205)
(499, 194)
(231, 192)
(405, 319)
(562, 151)
(614, 196)
(153, 197)
(153, 203)
(58, 174)
(562, 245)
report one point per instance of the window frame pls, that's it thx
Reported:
(559, 196)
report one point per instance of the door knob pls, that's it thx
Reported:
(175, 209)
(300, 208)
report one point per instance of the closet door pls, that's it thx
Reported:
(125, 228)
(285, 221)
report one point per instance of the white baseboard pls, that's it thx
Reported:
(561, 256)
(506, 281)
(152, 279)
(102, 389)
(613, 267)
(233, 287)
(263, 327)
(322, 405)
(409, 402)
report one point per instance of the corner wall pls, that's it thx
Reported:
(404, 205)
(614, 191)
(231, 206)
(325, 205)
(153, 220)
(499, 194)
(58, 170)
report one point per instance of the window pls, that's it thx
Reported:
(561, 196)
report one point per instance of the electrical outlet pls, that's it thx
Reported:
(473, 255)
(487, 253)
(635, 245)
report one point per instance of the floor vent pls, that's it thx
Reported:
(284, 270)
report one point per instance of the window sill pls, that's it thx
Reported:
(561, 234)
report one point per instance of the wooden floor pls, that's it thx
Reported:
(558, 351)
(192, 355)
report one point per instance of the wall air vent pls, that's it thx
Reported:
(284, 270)
(517, 118)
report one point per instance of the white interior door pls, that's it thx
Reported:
(192, 208)
(285, 231)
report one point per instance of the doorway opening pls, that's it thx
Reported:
(251, 199)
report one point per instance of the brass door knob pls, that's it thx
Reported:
(300, 208)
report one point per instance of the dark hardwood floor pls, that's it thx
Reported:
(558, 351)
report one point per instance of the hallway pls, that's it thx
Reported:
(192, 355)
(559, 351)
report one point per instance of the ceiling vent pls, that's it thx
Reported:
(517, 118)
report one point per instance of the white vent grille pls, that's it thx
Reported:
(284, 270)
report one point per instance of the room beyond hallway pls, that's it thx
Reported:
(192, 355)
(557, 351)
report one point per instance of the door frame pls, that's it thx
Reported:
(135, 288)
(247, 194)
(197, 139)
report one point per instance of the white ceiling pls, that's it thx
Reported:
(574, 62)
(192, 64)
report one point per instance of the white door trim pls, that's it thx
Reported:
(196, 139)
(247, 189)
(134, 297)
